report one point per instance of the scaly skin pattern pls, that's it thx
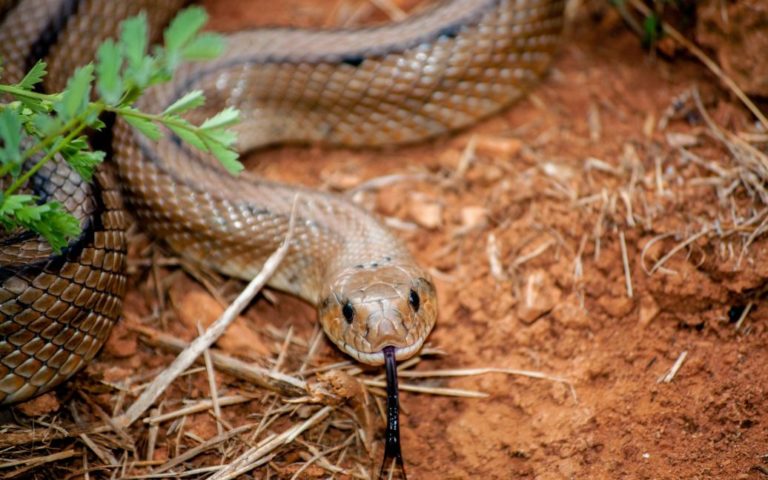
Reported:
(435, 72)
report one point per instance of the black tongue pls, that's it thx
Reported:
(392, 466)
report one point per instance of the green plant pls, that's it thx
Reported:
(36, 128)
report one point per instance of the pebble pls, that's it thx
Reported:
(539, 296)
(474, 217)
(426, 213)
(497, 147)
(648, 310)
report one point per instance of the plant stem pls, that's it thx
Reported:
(5, 169)
(20, 92)
(64, 142)
(129, 112)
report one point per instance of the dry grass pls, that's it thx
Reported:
(310, 420)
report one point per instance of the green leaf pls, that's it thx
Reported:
(203, 47)
(14, 202)
(75, 97)
(225, 118)
(651, 30)
(8, 207)
(34, 76)
(189, 101)
(122, 72)
(45, 125)
(132, 94)
(144, 126)
(10, 137)
(84, 162)
(143, 73)
(81, 158)
(225, 137)
(228, 158)
(49, 219)
(184, 27)
(58, 226)
(133, 40)
(189, 135)
(34, 105)
(108, 81)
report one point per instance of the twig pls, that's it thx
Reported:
(283, 351)
(193, 452)
(319, 457)
(743, 316)
(188, 356)
(533, 254)
(625, 261)
(258, 455)
(467, 372)
(677, 248)
(278, 382)
(447, 392)
(200, 406)
(39, 460)
(670, 375)
(377, 183)
(154, 430)
(492, 250)
(708, 62)
(211, 374)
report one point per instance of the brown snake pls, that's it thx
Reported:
(435, 72)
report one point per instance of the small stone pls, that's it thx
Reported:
(474, 217)
(648, 310)
(497, 147)
(540, 295)
(428, 214)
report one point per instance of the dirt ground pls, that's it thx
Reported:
(600, 231)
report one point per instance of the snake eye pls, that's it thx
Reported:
(348, 311)
(414, 300)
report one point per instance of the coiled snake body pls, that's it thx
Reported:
(436, 71)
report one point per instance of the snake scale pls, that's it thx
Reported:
(436, 71)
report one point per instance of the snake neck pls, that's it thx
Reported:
(233, 224)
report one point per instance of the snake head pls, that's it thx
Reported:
(369, 307)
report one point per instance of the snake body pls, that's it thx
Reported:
(437, 71)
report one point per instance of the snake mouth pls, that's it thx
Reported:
(377, 358)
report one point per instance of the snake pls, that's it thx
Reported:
(438, 70)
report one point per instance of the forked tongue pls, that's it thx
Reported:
(392, 466)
